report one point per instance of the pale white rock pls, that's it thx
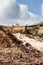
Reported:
(34, 43)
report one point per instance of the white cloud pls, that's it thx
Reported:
(24, 12)
(9, 9)
(3, 5)
(12, 10)
(12, 13)
(26, 16)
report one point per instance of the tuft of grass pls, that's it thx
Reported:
(40, 31)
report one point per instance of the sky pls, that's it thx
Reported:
(22, 12)
(33, 5)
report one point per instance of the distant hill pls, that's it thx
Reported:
(41, 23)
(36, 29)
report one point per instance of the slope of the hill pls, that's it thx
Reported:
(13, 52)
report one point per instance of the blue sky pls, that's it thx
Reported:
(33, 5)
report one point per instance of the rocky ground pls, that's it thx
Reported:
(21, 53)
(18, 56)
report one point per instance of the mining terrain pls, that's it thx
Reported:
(21, 45)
